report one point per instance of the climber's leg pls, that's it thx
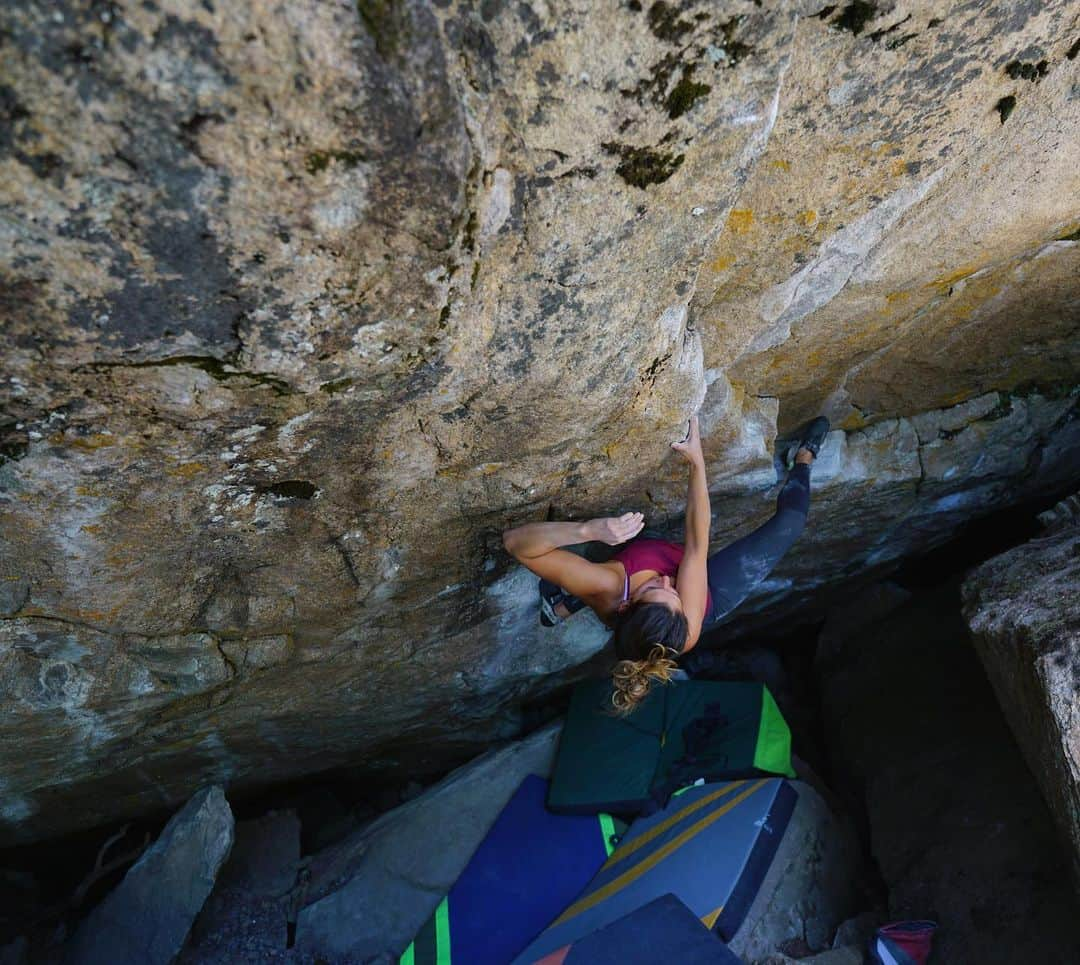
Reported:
(736, 569)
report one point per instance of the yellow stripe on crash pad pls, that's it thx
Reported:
(632, 874)
(624, 851)
(709, 921)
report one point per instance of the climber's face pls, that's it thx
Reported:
(661, 590)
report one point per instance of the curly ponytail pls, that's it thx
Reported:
(631, 679)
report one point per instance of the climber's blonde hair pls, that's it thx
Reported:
(631, 679)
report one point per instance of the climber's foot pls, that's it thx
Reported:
(811, 438)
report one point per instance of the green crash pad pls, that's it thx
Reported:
(682, 731)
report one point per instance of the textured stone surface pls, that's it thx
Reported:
(302, 303)
(1023, 609)
(147, 917)
(953, 817)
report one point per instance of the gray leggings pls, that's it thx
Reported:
(736, 569)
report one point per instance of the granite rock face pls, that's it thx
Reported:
(303, 303)
(1023, 610)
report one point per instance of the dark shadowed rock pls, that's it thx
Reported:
(265, 855)
(147, 917)
(245, 917)
(1023, 609)
(954, 819)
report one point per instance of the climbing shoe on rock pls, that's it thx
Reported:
(551, 595)
(811, 437)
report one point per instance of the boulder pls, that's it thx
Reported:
(147, 917)
(949, 810)
(1023, 610)
(305, 302)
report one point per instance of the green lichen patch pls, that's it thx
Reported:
(386, 21)
(468, 237)
(1019, 70)
(1005, 107)
(1071, 236)
(336, 386)
(854, 17)
(665, 22)
(890, 38)
(685, 94)
(291, 489)
(878, 35)
(14, 440)
(642, 166)
(734, 50)
(654, 87)
(219, 370)
(318, 161)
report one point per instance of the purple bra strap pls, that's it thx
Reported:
(626, 586)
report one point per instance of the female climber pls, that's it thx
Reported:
(658, 596)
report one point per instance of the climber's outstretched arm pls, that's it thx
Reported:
(691, 580)
(536, 545)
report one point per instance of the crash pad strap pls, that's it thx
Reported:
(772, 753)
(643, 839)
(632, 874)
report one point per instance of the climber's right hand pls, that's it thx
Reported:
(614, 530)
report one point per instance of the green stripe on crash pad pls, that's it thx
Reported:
(431, 946)
(442, 932)
(773, 750)
(607, 829)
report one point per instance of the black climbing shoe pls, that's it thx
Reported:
(551, 595)
(811, 438)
